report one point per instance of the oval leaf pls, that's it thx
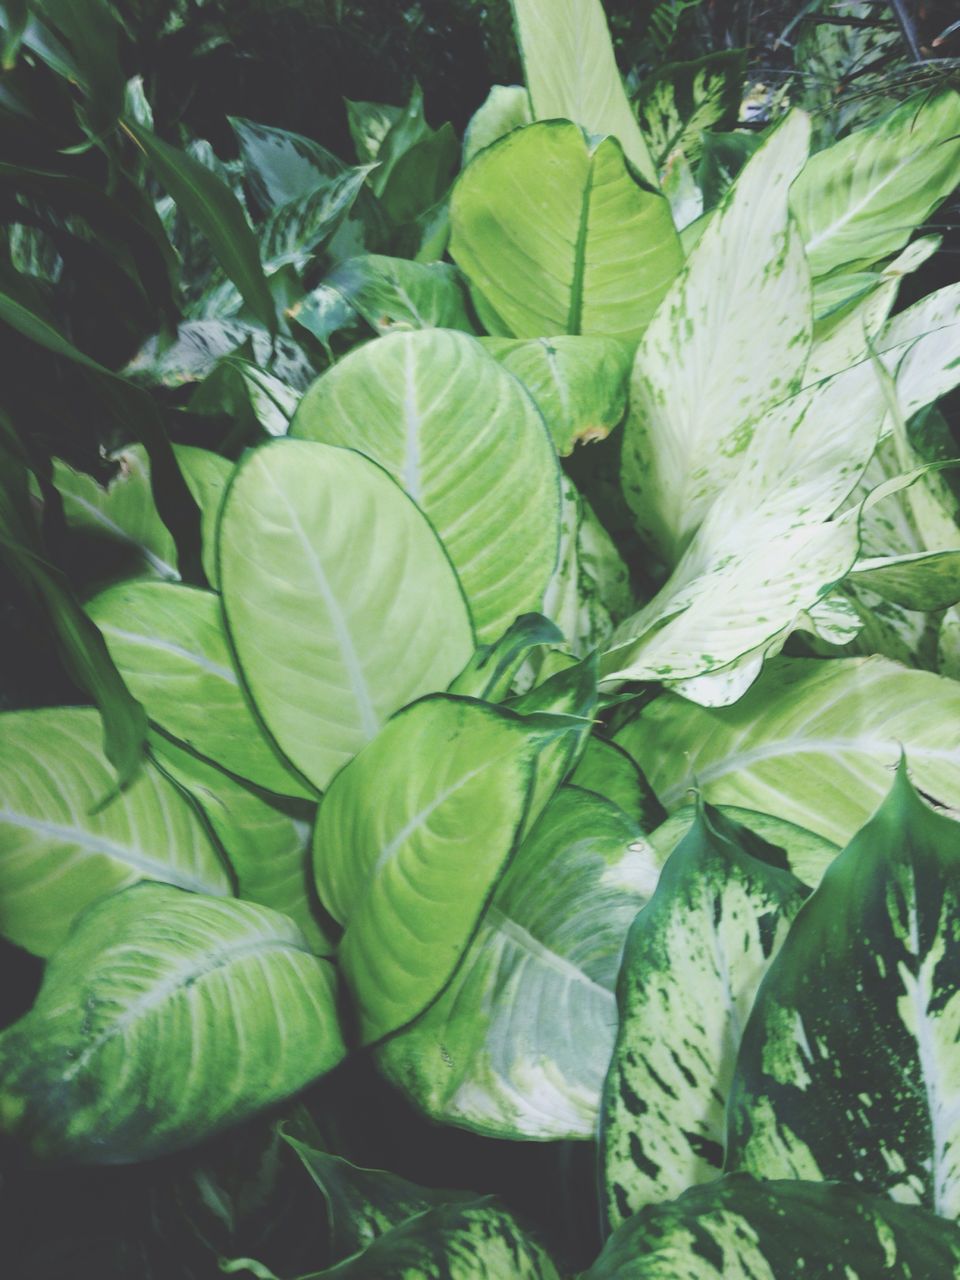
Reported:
(339, 599)
(165, 1017)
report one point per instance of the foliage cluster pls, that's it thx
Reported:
(510, 680)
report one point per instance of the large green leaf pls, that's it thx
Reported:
(578, 382)
(212, 206)
(571, 73)
(871, 961)
(693, 961)
(207, 475)
(170, 646)
(64, 847)
(122, 512)
(555, 236)
(467, 445)
(266, 845)
(812, 742)
(495, 1052)
(339, 599)
(737, 1227)
(165, 1017)
(705, 373)
(409, 842)
(393, 293)
(683, 99)
(609, 771)
(859, 200)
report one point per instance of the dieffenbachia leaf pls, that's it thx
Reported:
(681, 100)
(555, 237)
(363, 1204)
(812, 742)
(122, 512)
(468, 446)
(64, 847)
(163, 1018)
(459, 1241)
(729, 601)
(578, 382)
(410, 840)
(737, 1226)
(571, 73)
(807, 854)
(849, 1064)
(704, 376)
(206, 475)
(495, 1053)
(294, 231)
(266, 846)
(491, 671)
(394, 293)
(170, 646)
(208, 202)
(921, 349)
(505, 108)
(340, 601)
(280, 166)
(590, 587)
(859, 200)
(693, 961)
(609, 771)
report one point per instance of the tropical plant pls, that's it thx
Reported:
(453, 782)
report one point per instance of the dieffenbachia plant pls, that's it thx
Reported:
(556, 788)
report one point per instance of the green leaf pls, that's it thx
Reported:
(723, 156)
(495, 1053)
(121, 512)
(207, 475)
(165, 1017)
(459, 1241)
(266, 846)
(392, 293)
(280, 166)
(859, 200)
(340, 602)
(293, 232)
(65, 847)
(91, 29)
(212, 206)
(469, 448)
(505, 108)
(813, 742)
(607, 770)
(490, 673)
(555, 236)
(705, 374)
(579, 383)
(369, 124)
(170, 646)
(807, 854)
(418, 176)
(681, 100)
(409, 842)
(16, 17)
(571, 73)
(920, 347)
(871, 960)
(363, 1204)
(693, 961)
(739, 1227)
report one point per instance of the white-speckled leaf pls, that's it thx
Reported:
(469, 447)
(813, 742)
(693, 961)
(850, 1067)
(63, 847)
(495, 1053)
(340, 601)
(705, 371)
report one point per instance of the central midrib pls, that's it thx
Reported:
(575, 314)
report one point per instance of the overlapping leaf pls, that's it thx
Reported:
(339, 599)
(467, 445)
